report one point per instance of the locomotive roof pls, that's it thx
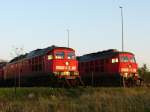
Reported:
(18, 58)
(100, 54)
(40, 52)
(37, 52)
(2, 63)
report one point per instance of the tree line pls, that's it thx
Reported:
(144, 73)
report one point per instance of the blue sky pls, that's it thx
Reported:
(94, 25)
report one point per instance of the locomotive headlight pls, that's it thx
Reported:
(67, 63)
(56, 73)
(76, 73)
(65, 73)
(62, 73)
(134, 70)
(130, 66)
(125, 74)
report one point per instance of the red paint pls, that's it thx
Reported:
(103, 63)
(41, 65)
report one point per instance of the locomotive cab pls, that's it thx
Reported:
(64, 63)
(128, 65)
(128, 69)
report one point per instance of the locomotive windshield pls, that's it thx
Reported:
(127, 59)
(59, 55)
(132, 59)
(70, 55)
(124, 59)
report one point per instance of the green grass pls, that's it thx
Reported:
(80, 99)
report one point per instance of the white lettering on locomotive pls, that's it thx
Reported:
(65, 67)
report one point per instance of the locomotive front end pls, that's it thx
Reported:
(129, 68)
(128, 65)
(63, 64)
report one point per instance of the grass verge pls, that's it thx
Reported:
(80, 99)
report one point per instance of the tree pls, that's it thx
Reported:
(144, 73)
(17, 53)
(143, 70)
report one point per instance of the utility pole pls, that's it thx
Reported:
(18, 52)
(68, 36)
(124, 84)
(122, 28)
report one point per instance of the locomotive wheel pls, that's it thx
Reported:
(73, 83)
(129, 82)
(80, 82)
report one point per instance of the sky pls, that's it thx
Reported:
(94, 25)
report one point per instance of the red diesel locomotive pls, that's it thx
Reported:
(2, 64)
(49, 66)
(109, 67)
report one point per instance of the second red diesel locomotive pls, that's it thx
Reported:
(110, 67)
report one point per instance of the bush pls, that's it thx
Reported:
(144, 74)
